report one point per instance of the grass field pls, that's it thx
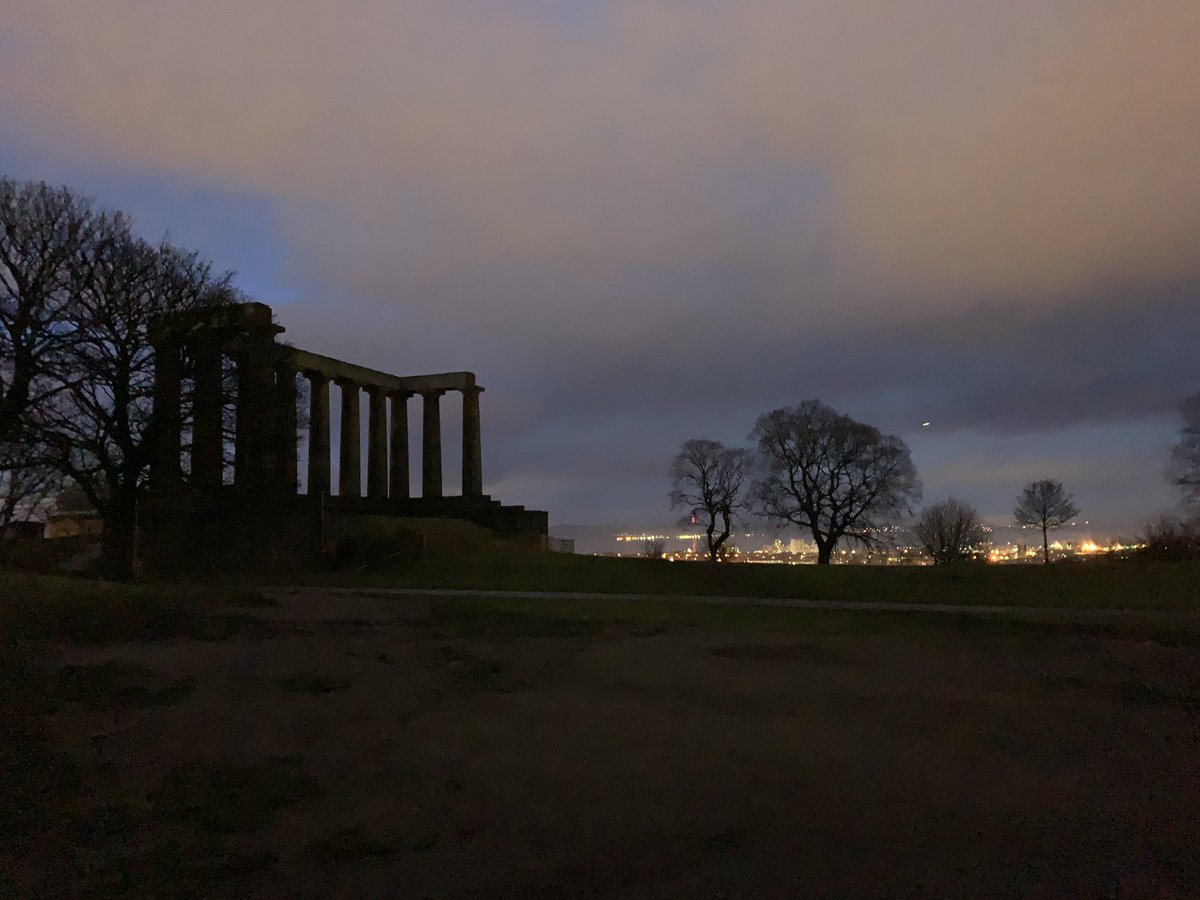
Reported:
(1115, 584)
(162, 741)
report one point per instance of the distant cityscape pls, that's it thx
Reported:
(1005, 544)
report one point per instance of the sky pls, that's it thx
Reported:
(644, 222)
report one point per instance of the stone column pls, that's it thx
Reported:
(258, 461)
(208, 439)
(318, 434)
(168, 382)
(249, 451)
(398, 488)
(377, 444)
(472, 450)
(431, 444)
(285, 400)
(350, 463)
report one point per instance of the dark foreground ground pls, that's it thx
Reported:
(370, 746)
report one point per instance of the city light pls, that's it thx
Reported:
(890, 546)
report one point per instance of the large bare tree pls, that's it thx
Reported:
(1046, 505)
(1185, 455)
(79, 294)
(948, 531)
(833, 476)
(707, 482)
(102, 425)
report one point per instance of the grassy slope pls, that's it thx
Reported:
(36, 611)
(45, 608)
(185, 835)
(1096, 585)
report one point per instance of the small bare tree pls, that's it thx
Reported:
(1185, 455)
(948, 531)
(707, 479)
(1046, 505)
(653, 548)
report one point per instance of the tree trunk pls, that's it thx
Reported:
(117, 541)
(824, 553)
(1045, 544)
(716, 545)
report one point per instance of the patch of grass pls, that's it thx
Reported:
(35, 774)
(313, 683)
(1135, 692)
(75, 610)
(246, 597)
(107, 820)
(114, 683)
(813, 653)
(91, 614)
(218, 627)
(40, 779)
(469, 668)
(349, 844)
(1101, 583)
(465, 617)
(504, 618)
(177, 866)
(120, 850)
(225, 798)
(185, 862)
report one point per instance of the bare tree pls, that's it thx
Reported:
(653, 548)
(707, 482)
(1185, 455)
(27, 484)
(948, 531)
(78, 296)
(1046, 505)
(831, 475)
(43, 231)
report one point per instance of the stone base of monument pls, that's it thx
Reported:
(238, 530)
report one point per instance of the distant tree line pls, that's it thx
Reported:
(841, 480)
(812, 467)
(838, 480)
(79, 296)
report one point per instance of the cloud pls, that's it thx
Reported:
(961, 151)
(976, 213)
